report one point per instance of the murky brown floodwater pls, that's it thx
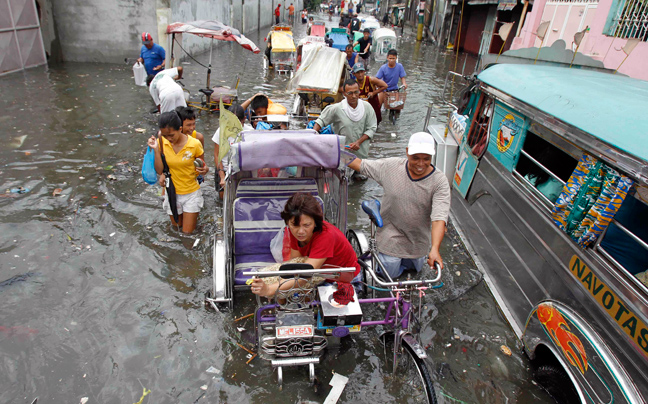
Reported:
(102, 299)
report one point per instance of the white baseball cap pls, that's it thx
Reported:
(421, 142)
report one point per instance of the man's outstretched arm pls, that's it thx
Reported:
(355, 164)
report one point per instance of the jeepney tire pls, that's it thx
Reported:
(555, 380)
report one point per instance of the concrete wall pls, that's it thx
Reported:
(102, 31)
(595, 44)
(109, 31)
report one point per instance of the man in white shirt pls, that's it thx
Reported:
(166, 93)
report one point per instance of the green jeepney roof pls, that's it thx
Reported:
(610, 107)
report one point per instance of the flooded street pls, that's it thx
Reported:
(102, 299)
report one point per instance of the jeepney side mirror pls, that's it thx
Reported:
(329, 100)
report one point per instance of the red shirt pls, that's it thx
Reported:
(331, 244)
(277, 11)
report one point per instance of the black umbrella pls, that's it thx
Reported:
(170, 188)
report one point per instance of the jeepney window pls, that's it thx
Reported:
(477, 138)
(626, 239)
(544, 166)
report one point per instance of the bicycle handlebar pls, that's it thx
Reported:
(407, 283)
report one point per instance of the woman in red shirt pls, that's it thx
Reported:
(311, 237)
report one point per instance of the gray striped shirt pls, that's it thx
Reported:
(408, 206)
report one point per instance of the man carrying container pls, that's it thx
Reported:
(415, 206)
(152, 55)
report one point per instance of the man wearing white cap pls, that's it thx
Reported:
(415, 205)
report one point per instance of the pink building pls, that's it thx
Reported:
(611, 23)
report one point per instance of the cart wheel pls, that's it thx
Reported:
(280, 378)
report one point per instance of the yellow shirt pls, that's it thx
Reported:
(193, 134)
(181, 165)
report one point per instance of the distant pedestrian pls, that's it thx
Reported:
(365, 47)
(351, 58)
(277, 13)
(152, 55)
(354, 25)
(291, 13)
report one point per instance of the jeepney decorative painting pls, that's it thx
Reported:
(506, 133)
(509, 130)
(558, 329)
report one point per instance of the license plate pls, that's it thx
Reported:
(353, 330)
(295, 331)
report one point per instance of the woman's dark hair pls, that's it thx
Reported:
(303, 204)
(171, 120)
(186, 113)
(392, 52)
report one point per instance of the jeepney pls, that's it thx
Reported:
(550, 195)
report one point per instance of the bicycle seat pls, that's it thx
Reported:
(207, 91)
(372, 208)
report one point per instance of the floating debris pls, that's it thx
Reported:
(84, 400)
(17, 141)
(203, 387)
(213, 370)
(338, 382)
(140, 130)
(506, 350)
(19, 190)
(57, 192)
(145, 393)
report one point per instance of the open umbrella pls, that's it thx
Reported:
(214, 30)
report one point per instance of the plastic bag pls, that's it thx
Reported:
(140, 74)
(280, 246)
(149, 175)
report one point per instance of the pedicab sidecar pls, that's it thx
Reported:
(318, 80)
(297, 161)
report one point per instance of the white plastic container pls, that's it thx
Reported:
(140, 74)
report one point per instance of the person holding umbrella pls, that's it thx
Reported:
(181, 159)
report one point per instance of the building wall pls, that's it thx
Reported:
(109, 31)
(471, 32)
(595, 44)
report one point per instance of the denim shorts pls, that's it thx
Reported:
(396, 266)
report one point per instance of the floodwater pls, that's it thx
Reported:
(102, 299)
